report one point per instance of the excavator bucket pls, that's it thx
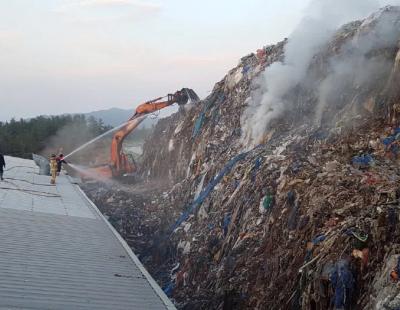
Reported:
(191, 95)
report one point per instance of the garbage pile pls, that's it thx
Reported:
(140, 216)
(286, 225)
(309, 218)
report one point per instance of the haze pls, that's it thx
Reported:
(84, 55)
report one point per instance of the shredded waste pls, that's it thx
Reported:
(308, 219)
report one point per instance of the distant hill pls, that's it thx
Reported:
(116, 116)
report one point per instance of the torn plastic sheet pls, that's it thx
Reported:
(208, 189)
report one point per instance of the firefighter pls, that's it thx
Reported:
(60, 160)
(2, 165)
(53, 168)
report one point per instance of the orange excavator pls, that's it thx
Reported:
(120, 163)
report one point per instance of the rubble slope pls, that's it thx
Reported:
(307, 219)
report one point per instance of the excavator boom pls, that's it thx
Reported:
(119, 162)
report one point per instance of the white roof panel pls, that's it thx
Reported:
(58, 252)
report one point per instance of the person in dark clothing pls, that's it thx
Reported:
(2, 165)
(60, 160)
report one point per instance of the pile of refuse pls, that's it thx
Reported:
(307, 219)
(140, 217)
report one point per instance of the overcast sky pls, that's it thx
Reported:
(59, 56)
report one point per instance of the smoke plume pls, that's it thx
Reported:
(269, 101)
(362, 63)
(72, 136)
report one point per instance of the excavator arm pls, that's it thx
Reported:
(180, 97)
(119, 162)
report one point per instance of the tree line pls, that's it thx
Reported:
(23, 137)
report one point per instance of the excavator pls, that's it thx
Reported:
(122, 164)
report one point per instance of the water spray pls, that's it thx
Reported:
(86, 171)
(95, 139)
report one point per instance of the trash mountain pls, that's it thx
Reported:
(305, 217)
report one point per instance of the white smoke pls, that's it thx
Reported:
(322, 19)
(353, 67)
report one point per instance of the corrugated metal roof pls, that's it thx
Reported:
(58, 252)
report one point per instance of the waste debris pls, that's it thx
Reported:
(308, 219)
